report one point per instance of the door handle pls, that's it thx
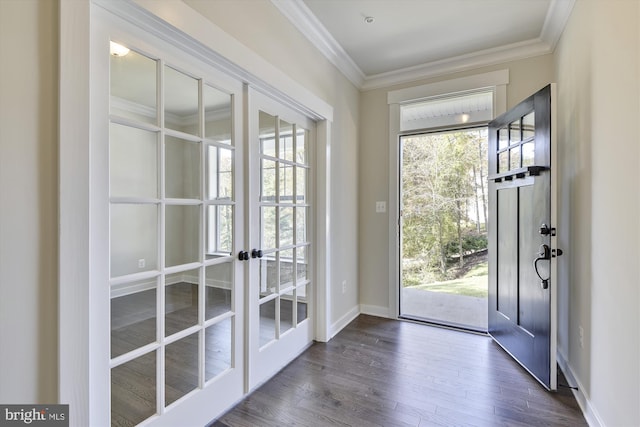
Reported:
(243, 255)
(256, 253)
(544, 254)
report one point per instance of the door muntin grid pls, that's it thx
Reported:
(172, 206)
(283, 277)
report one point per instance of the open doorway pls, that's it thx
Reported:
(443, 228)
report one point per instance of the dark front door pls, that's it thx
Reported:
(522, 253)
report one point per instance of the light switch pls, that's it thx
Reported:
(381, 207)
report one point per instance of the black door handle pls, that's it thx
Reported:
(256, 253)
(544, 254)
(243, 255)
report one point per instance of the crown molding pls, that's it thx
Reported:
(306, 22)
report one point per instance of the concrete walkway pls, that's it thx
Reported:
(460, 310)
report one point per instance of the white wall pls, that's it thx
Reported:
(526, 77)
(598, 71)
(260, 26)
(28, 201)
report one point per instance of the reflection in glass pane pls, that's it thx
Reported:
(286, 311)
(267, 322)
(286, 269)
(301, 185)
(528, 154)
(503, 138)
(133, 318)
(217, 348)
(219, 173)
(218, 291)
(301, 225)
(219, 231)
(133, 165)
(514, 134)
(133, 87)
(182, 223)
(528, 125)
(182, 168)
(503, 161)
(181, 368)
(181, 301)
(268, 181)
(286, 227)
(515, 157)
(286, 140)
(133, 382)
(217, 115)
(180, 102)
(301, 296)
(302, 263)
(134, 238)
(267, 126)
(268, 275)
(268, 227)
(286, 183)
(302, 135)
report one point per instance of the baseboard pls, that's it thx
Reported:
(344, 321)
(589, 412)
(374, 310)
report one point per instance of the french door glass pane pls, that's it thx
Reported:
(182, 168)
(302, 263)
(286, 183)
(133, 318)
(219, 231)
(286, 227)
(217, 114)
(219, 173)
(268, 227)
(302, 136)
(267, 322)
(182, 224)
(268, 181)
(303, 304)
(301, 225)
(218, 291)
(217, 343)
(181, 368)
(301, 185)
(180, 102)
(267, 126)
(133, 165)
(133, 390)
(286, 141)
(268, 275)
(181, 301)
(134, 238)
(133, 87)
(286, 311)
(287, 277)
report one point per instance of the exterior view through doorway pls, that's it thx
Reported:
(443, 227)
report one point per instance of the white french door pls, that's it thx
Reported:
(280, 219)
(173, 186)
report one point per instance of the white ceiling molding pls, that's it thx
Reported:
(306, 22)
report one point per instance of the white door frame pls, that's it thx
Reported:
(80, 356)
(497, 81)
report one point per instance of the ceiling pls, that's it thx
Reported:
(411, 39)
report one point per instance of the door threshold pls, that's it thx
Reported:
(444, 325)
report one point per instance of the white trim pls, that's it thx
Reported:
(376, 310)
(181, 25)
(590, 414)
(322, 222)
(497, 81)
(306, 22)
(342, 322)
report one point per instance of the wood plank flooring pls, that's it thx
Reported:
(381, 372)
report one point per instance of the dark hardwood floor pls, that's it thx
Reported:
(380, 372)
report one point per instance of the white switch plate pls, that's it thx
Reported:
(381, 207)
